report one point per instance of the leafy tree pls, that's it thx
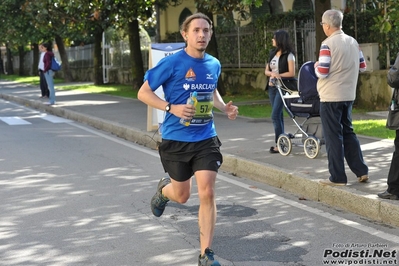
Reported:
(130, 15)
(17, 30)
(99, 15)
(68, 20)
(387, 23)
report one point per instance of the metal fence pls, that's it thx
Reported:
(246, 47)
(242, 47)
(79, 56)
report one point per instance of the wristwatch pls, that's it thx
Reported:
(167, 108)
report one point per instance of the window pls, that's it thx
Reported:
(302, 5)
(183, 15)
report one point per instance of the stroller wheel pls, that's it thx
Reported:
(311, 146)
(284, 144)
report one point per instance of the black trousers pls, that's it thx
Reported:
(43, 84)
(393, 175)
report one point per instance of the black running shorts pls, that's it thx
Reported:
(182, 159)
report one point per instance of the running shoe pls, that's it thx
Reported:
(159, 201)
(207, 259)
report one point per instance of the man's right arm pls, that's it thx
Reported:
(147, 96)
(322, 69)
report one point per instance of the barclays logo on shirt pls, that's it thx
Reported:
(204, 86)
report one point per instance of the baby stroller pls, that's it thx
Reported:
(305, 104)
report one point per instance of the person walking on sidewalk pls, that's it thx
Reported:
(43, 83)
(393, 175)
(281, 64)
(48, 73)
(340, 60)
(194, 149)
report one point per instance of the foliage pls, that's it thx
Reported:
(14, 24)
(386, 23)
(226, 7)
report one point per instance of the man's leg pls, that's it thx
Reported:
(353, 152)
(50, 83)
(169, 189)
(330, 114)
(43, 84)
(178, 191)
(207, 210)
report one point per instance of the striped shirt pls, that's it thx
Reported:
(340, 60)
(323, 69)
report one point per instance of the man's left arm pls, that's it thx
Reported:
(362, 62)
(227, 108)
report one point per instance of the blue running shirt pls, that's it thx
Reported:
(179, 75)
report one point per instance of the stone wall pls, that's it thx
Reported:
(373, 92)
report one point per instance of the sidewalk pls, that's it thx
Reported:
(245, 148)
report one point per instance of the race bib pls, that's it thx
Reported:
(203, 114)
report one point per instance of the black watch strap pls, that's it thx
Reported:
(167, 108)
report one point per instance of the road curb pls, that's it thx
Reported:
(345, 198)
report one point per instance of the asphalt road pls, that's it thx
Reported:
(74, 195)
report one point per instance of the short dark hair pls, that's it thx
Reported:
(186, 23)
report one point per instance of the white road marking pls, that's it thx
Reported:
(55, 119)
(14, 120)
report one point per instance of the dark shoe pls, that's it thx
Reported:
(272, 150)
(207, 259)
(387, 195)
(158, 201)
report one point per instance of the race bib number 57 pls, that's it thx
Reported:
(203, 113)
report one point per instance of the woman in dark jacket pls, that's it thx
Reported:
(48, 73)
(281, 64)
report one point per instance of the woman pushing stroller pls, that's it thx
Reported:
(281, 64)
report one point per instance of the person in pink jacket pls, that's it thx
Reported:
(48, 73)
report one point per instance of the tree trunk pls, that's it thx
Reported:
(9, 65)
(135, 54)
(320, 7)
(64, 58)
(97, 60)
(212, 49)
(1, 65)
(21, 54)
(36, 57)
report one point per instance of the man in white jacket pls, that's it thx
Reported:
(340, 60)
